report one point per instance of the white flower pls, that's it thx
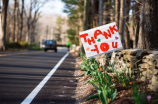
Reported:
(114, 84)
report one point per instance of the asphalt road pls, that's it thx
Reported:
(21, 72)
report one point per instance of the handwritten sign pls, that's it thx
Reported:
(100, 40)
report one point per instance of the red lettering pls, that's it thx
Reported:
(92, 40)
(112, 29)
(84, 36)
(104, 47)
(106, 35)
(96, 49)
(96, 33)
(114, 46)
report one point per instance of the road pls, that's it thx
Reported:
(21, 72)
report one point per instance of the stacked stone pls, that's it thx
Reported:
(149, 68)
(104, 59)
(144, 61)
(116, 60)
(127, 59)
(75, 50)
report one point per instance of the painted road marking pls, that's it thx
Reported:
(31, 96)
(16, 54)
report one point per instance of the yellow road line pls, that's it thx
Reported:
(17, 54)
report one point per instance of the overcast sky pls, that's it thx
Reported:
(54, 7)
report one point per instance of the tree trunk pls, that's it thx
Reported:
(18, 21)
(86, 6)
(14, 23)
(122, 22)
(28, 28)
(136, 20)
(2, 40)
(127, 37)
(85, 19)
(136, 33)
(117, 12)
(106, 12)
(29, 23)
(33, 32)
(21, 28)
(3, 24)
(33, 26)
(94, 12)
(148, 27)
(100, 12)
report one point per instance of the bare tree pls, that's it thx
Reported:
(3, 22)
(14, 23)
(58, 28)
(29, 22)
(33, 16)
(16, 20)
(21, 15)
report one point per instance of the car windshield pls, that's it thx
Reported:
(50, 42)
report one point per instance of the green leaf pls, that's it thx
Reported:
(96, 87)
(92, 67)
(92, 97)
(113, 95)
(108, 77)
(87, 72)
(108, 92)
(95, 66)
(98, 76)
(92, 82)
(124, 84)
(84, 69)
(102, 97)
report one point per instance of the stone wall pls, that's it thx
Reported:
(136, 60)
(142, 61)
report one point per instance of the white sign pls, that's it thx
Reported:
(100, 40)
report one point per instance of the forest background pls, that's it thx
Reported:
(136, 21)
